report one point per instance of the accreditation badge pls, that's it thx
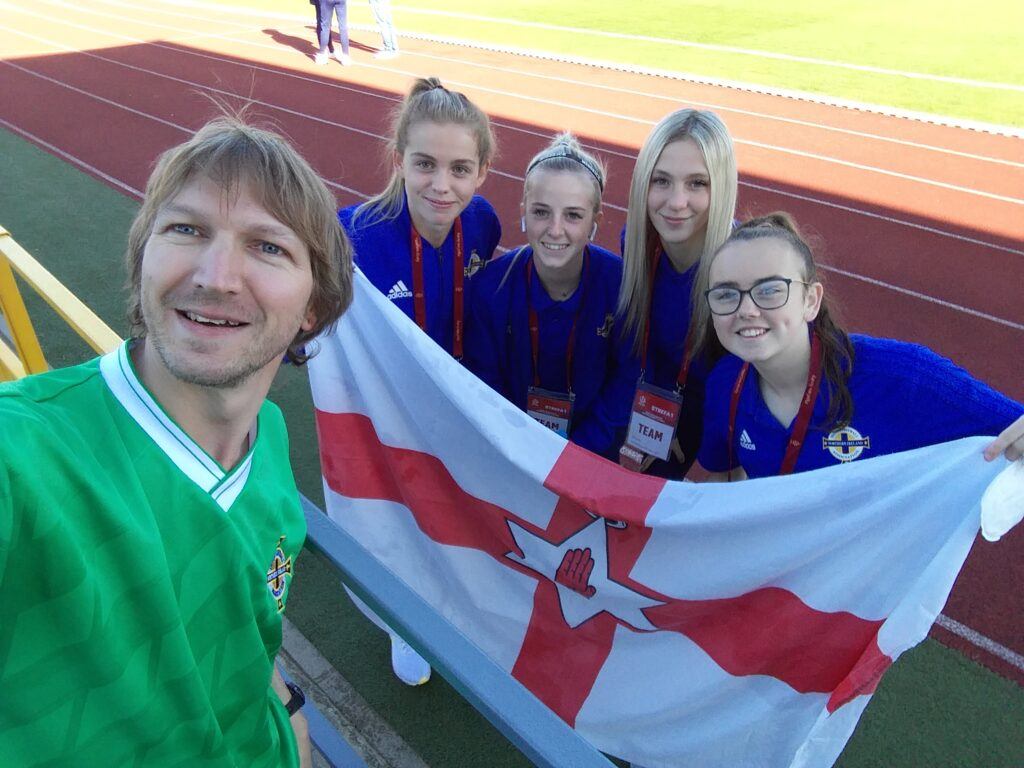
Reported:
(652, 424)
(552, 409)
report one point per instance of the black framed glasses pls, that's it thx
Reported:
(772, 293)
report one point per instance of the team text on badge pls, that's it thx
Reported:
(552, 409)
(652, 424)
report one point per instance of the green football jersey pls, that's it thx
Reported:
(141, 584)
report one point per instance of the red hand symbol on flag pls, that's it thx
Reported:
(575, 570)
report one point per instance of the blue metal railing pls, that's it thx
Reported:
(524, 720)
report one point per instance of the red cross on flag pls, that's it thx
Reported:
(672, 624)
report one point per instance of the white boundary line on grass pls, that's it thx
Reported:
(881, 109)
(718, 48)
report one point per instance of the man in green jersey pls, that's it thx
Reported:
(149, 520)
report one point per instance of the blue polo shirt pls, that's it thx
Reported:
(604, 370)
(384, 254)
(904, 397)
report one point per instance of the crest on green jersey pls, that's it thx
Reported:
(277, 575)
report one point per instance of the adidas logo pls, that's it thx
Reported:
(399, 291)
(746, 442)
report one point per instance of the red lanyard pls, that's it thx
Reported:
(535, 323)
(458, 274)
(803, 416)
(684, 365)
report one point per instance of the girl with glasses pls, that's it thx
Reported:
(798, 393)
(542, 327)
(681, 205)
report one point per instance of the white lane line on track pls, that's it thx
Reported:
(498, 172)
(766, 90)
(979, 640)
(546, 136)
(720, 108)
(136, 193)
(805, 198)
(378, 137)
(923, 297)
(961, 630)
(882, 217)
(845, 273)
(91, 95)
(644, 94)
(218, 91)
(616, 116)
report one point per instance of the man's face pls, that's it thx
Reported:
(225, 286)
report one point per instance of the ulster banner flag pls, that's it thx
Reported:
(672, 624)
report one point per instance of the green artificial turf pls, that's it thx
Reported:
(934, 709)
(980, 42)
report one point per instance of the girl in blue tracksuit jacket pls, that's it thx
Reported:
(681, 206)
(542, 327)
(798, 393)
(421, 239)
(428, 231)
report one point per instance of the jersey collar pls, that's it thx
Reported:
(202, 469)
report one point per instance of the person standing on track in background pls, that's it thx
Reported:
(541, 328)
(422, 238)
(327, 9)
(149, 518)
(682, 201)
(389, 41)
(797, 393)
(319, 23)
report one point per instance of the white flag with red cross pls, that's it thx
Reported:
(672, 624)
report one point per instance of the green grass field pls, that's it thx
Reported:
(935, 709)
(980, 42)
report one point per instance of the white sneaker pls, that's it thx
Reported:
(409, 666)
(385, 54)
(320, 58)
(343, 58)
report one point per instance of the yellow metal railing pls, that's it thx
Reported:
(26, 356)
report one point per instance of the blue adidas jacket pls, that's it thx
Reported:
(604, 371)
(383, 253)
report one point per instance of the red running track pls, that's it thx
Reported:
(922, 226)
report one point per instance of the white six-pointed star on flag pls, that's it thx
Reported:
(545, 557)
